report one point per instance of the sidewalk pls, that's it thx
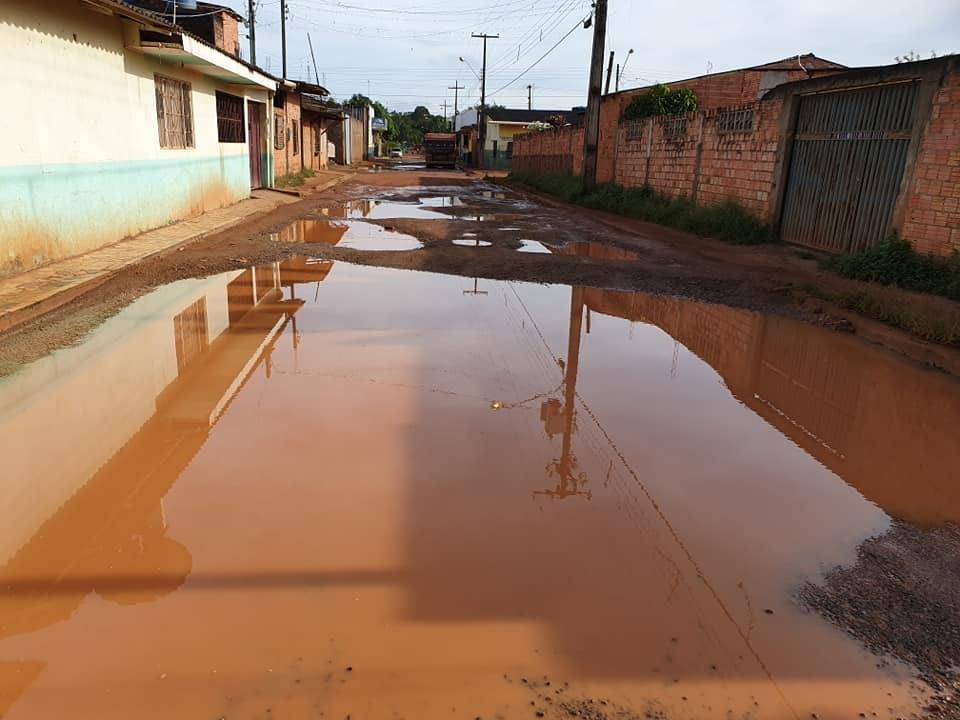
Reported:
(27, 295)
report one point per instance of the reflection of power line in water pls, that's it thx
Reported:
(744, 635)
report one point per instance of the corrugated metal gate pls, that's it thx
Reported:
(849, 153)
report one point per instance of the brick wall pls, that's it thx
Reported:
(738, 87)
(932, 220)
(551, 151)
(288, 158)
(231, 35)
(710, 163)
(314, 142)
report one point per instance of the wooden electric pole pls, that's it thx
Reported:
(482, 115)
(591, 134)
(606, 90)
(253, 34)
(529, 97)
(283, 35)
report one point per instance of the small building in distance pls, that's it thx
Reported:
(502, 125)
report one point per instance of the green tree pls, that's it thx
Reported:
(661, 100)
(379, 109)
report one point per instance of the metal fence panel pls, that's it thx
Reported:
(849, 153)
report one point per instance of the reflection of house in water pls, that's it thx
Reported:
(100, 526)
(887, 428)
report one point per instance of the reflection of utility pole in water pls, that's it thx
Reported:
(570, 479)
(475, 291)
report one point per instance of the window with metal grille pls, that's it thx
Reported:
(295, 136)
(174, 112)
(230, 125)
(735, 121)
(279, 134)
(675, 127)
(634, 130)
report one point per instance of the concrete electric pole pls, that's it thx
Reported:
(253, 33)
(606, 90)
(482, 115)
(591, 135)
(283, 35)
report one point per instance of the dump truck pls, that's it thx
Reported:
(440, 149)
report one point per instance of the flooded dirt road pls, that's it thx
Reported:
(312, 489)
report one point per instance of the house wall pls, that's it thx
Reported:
(231, 34)
(81, 165)
(315, 141)
(339, 136)
(289, 158)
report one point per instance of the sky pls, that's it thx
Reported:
(408, 53)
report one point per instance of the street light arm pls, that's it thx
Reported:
(475, 73)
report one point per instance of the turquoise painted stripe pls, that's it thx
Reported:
(49, 211)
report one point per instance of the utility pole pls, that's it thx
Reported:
(606, 90)
(529, 97)
(618, 79)
(253, 33)
(283, 35)
(591, 135)
(313, 57)
(457, 87)
(482, 115)
(444, 112)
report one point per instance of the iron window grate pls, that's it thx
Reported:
(735, 121)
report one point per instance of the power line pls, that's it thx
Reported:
(542, 57)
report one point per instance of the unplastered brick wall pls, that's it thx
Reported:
(287, 157)
(739, 164)
(932, 219)
(710, 156)
(558, 151)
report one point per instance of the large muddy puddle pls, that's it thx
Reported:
(316, 490)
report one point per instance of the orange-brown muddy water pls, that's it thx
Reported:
(319, 490)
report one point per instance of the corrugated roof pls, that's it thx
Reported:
(157, 20)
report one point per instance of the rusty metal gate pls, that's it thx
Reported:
(849, 153)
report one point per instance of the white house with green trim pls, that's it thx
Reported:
(118, 122)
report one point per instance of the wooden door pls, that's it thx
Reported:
(255, 142)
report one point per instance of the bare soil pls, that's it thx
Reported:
(902, 598)
(624, 254)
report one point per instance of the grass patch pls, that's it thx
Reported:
(895, 262)
(728, 221)
(295, 179)
(937, 326)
